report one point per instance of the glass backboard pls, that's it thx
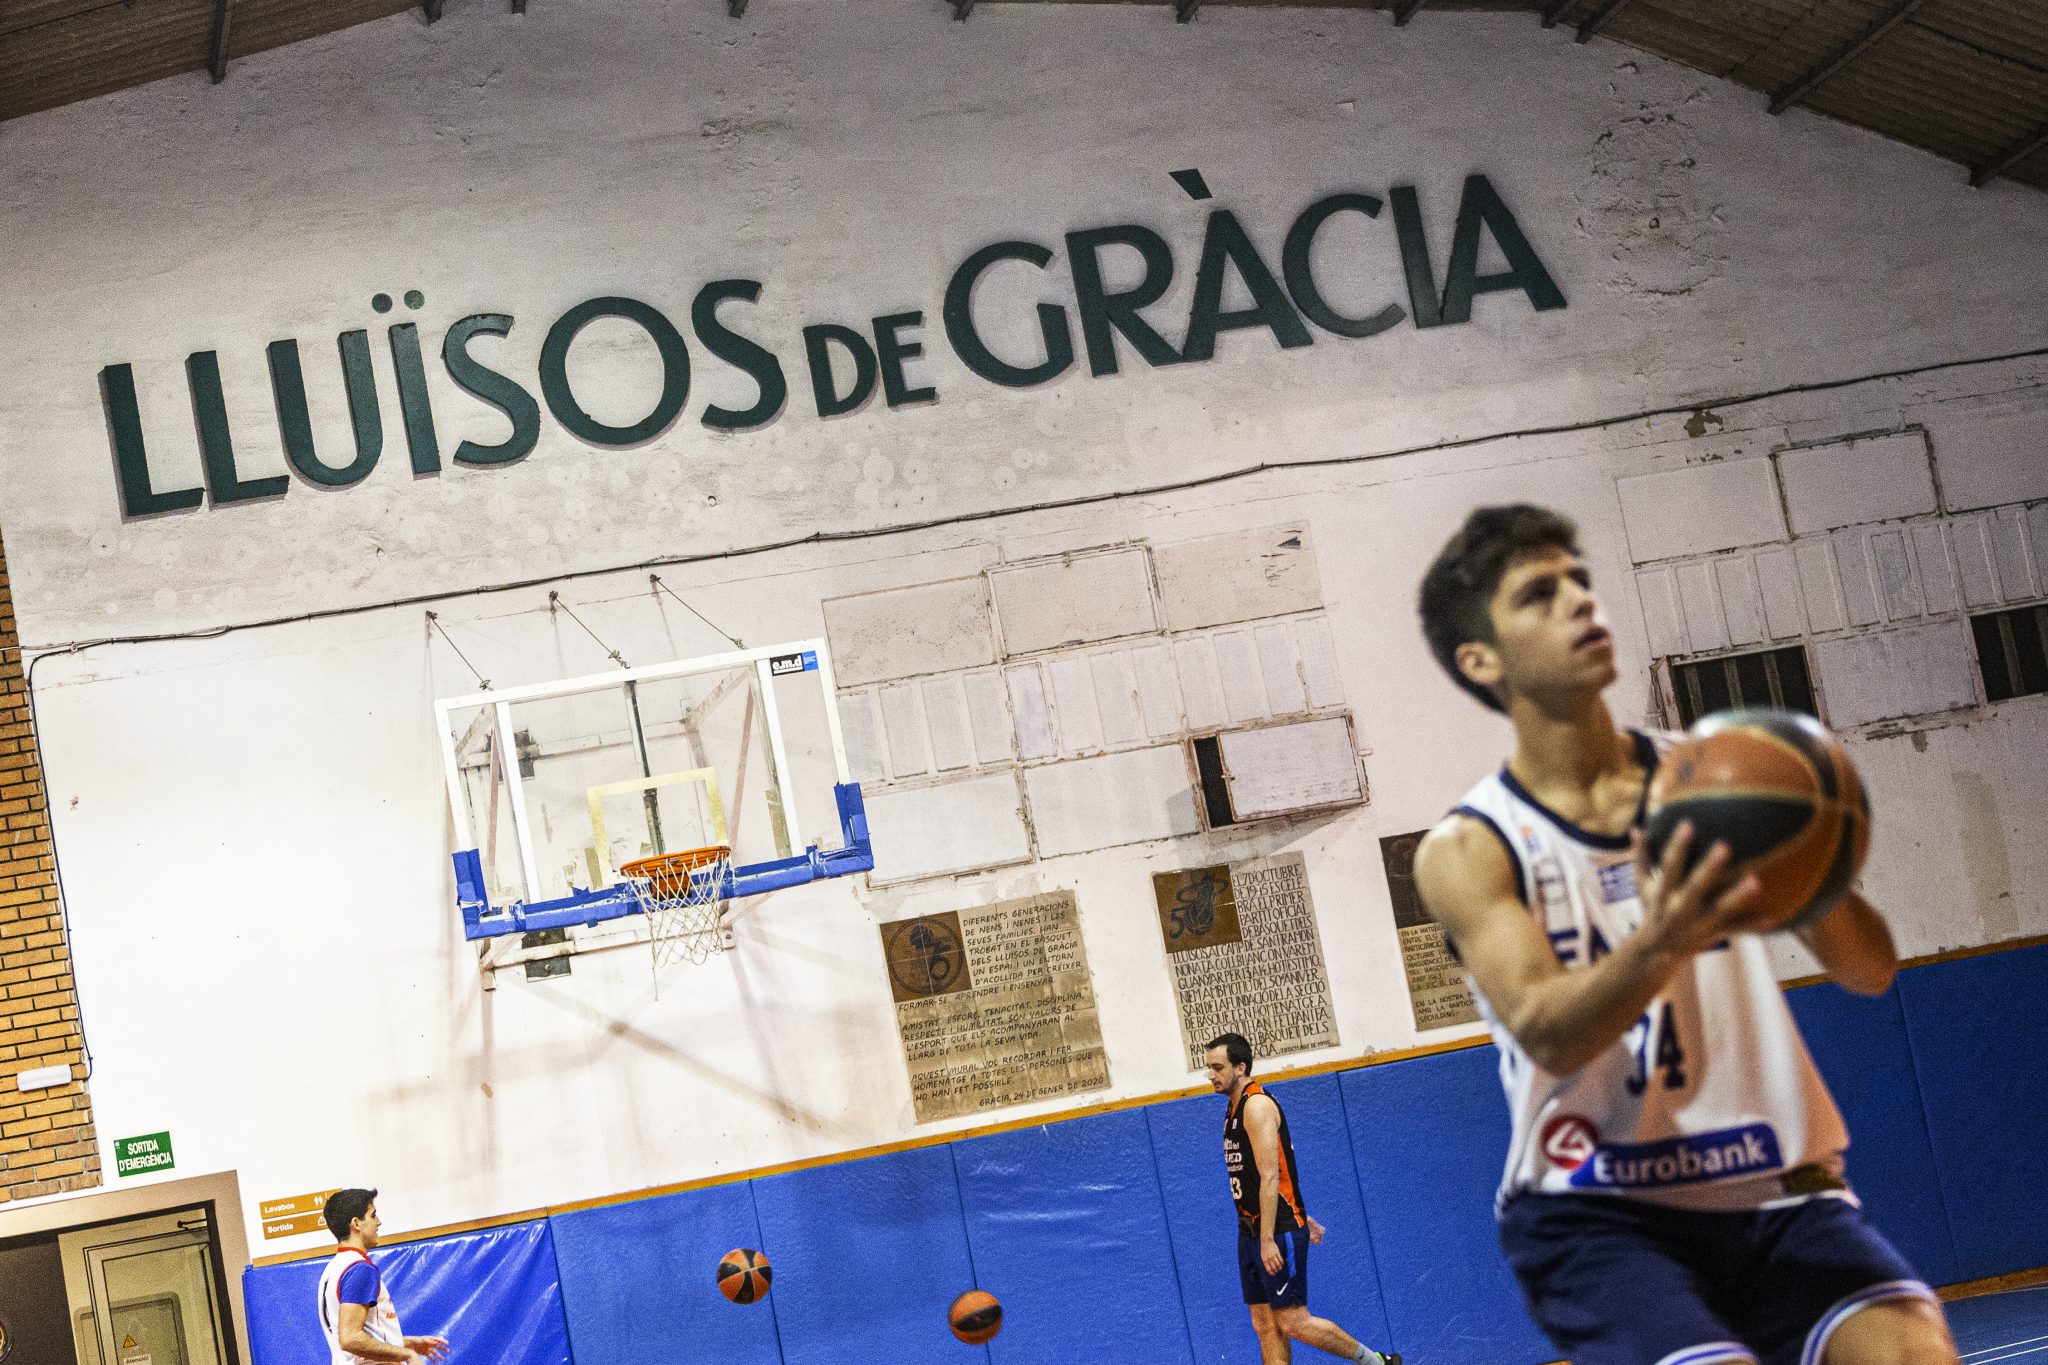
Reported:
(555, 786)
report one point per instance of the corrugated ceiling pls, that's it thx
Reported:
(1965, 79)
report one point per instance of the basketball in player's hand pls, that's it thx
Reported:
(1779, 790)
(743, 1275)
(976, 1316)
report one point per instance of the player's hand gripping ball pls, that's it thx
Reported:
(743, 1275)
(976, 1316)
(1778, 789)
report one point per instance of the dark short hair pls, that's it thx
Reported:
(1235, 1048)
(344, 1207)
(1459, 586)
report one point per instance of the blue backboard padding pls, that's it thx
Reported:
(1979, 1030)
(640, 1282)
(1187, 1146)
(284, 1323)
(1859, 1043)
(1429, 1136)
(1065, 1225)
(867, 1256)
(493, 1294)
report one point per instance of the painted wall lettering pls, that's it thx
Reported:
(1116, 277)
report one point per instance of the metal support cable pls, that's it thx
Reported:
(555, 603)
(734, 640)
(483, 684)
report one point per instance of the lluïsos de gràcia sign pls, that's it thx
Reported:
(844, 364)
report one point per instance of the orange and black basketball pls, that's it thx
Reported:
(743, 1275)
(976, 1316)
(1778, 789)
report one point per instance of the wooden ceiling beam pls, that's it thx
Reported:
(217, 54)
(1900, 11)
(1600, 19)
(2012, 156)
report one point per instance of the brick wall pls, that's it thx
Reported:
(47, 1145)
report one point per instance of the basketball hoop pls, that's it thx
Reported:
(682, 894)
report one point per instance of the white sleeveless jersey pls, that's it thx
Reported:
(380, 1322)
(1709, 1100)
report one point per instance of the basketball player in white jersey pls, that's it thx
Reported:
(1673, 1192)
(355, 1308)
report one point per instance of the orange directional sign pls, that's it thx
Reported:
(293, 1214)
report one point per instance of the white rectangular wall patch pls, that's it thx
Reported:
(957, 826)
(1848, 483)
(1115, 799)
(1241, 576)
(1700, 510)
(1281, 768)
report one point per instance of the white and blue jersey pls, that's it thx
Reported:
(351, 1278)
(1709, 1101)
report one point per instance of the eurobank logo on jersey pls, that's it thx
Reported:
(847, 364)
(1749, 1150)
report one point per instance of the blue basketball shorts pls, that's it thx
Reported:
(1619, 1282)
(1289, 1288)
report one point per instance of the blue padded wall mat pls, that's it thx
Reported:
(867, 1257)
(1859, 1044)
(1187, 1145)
(1430, 1136)
(492, 1293)
(1065, 1225)
(1979, 1031)
(640, 1281)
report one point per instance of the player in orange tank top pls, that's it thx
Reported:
(1274, 1231)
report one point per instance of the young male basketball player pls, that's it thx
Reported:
(355, 1308)
(1274, 1231)
(1674, 1192)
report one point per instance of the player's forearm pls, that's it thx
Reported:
(1566, 1020)
(369, 1348)
(1269, 1208)
(1855, 945)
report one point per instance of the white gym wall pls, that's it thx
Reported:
(253, 828)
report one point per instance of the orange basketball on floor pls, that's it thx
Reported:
(1778, 789)
(743, 1275)
(976, 1316)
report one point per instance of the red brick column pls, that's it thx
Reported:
(47, 1144)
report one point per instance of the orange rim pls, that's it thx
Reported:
(670, 872)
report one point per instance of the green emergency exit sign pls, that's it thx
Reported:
(136, 1155)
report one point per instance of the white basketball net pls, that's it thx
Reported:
(684, 910)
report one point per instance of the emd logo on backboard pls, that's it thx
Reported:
(784, 664)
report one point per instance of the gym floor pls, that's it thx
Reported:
(2009, 1326)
